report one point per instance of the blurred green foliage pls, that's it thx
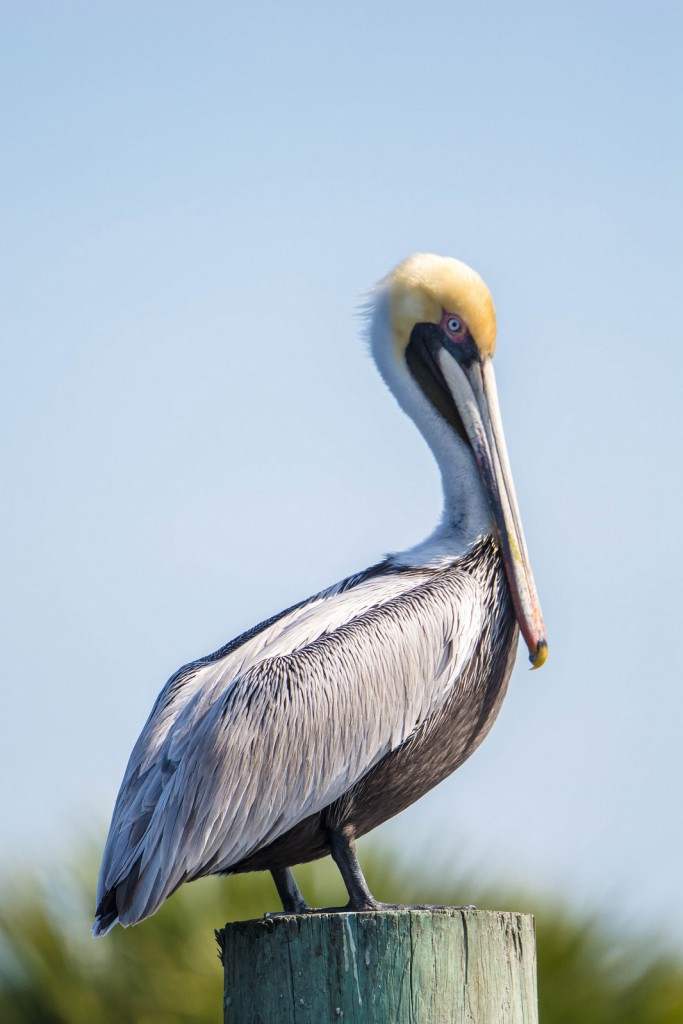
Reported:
(167, 969)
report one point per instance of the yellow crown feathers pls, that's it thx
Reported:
(424, 285)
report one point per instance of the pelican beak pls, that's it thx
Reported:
(472, 384)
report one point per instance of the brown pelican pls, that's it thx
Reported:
(322, 722)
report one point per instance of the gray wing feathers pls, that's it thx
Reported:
(240, 750)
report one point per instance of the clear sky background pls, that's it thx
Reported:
(194, 196)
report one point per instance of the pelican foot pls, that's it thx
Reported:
(343, 850)
(368, 907)
(305, 909)
(422, 906)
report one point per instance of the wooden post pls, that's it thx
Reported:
(436, 966)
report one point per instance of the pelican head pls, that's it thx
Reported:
(433, 337)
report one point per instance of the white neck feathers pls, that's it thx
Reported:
(466, 516)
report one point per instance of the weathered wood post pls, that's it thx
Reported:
(436, 966)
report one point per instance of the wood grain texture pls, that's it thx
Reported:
(437, 966)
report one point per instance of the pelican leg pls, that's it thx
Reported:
(288, 891)
(343, 850)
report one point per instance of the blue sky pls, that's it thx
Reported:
(194, 197)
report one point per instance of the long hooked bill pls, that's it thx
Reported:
(474, 392)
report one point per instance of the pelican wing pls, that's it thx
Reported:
(243, 745)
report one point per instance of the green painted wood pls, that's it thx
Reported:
(437, 966)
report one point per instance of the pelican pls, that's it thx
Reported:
(317, 725)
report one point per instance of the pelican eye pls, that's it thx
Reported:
(453, 325)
